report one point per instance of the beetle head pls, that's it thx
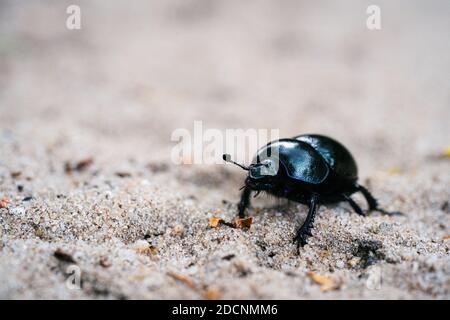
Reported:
(263, 169)
(261, 175)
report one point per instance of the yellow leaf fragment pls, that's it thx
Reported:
(446, 152)
(214, 222)
(326, 283)
(211, 294)
(395, 171)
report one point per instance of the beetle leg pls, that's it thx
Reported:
(305, 229)
(373, 203)
(354, 205)
(245, 201)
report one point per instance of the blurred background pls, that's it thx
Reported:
(138, 70)
(86, 118)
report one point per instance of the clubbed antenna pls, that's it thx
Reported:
(226, 157)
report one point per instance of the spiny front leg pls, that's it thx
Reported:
(245, 201)
(305, 230)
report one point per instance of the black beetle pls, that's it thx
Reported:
(310, 169)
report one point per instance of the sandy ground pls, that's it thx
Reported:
(131, 224)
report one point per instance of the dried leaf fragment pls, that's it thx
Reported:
(4, 203)
(326, 283)
(180, 277)
(446, 237)
(237, 223)
(243, 223)
(211, 294)
(215, 221)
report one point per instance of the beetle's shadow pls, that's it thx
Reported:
(273, 205)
